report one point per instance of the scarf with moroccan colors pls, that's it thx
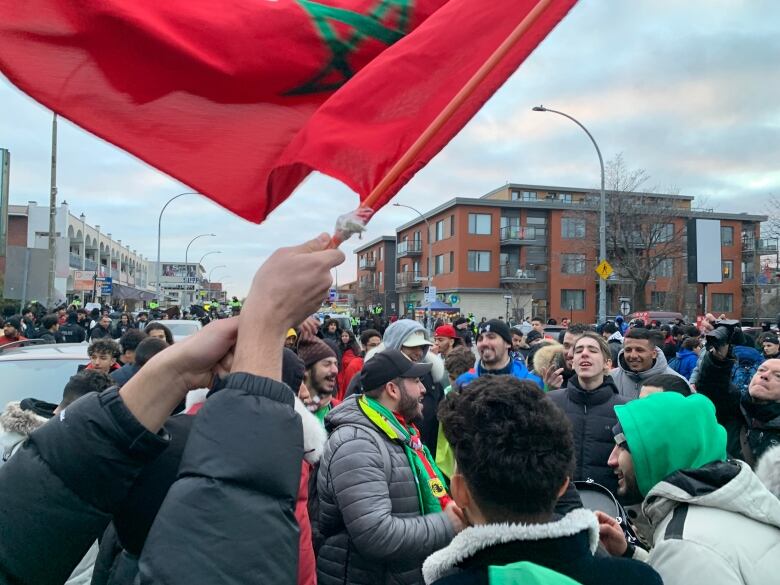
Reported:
(431, 487)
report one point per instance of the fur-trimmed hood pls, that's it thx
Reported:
(545, 355)
(314, 435)
(14, 419)
(477, 538)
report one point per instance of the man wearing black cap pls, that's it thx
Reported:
(493, 344)
(771, 346)
(462, 329)
(384, 505)
(12, 330)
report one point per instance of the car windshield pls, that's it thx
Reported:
(181, 329)
(41, 379)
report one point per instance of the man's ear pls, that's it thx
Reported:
(393, 390)
(563, 488)
(460, 490)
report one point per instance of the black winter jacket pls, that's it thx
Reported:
(592, 415)
(232, 499)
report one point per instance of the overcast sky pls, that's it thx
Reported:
(686, 90)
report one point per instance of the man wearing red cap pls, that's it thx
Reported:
(445, 338)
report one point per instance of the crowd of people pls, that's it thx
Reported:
(274, 448)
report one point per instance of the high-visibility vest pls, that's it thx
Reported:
(154, 305)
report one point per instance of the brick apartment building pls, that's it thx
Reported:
(376, 281)
(538, 246)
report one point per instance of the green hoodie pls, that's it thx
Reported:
(525, 573)
(667, 432)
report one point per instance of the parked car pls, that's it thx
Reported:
(39, 370)
(182, 328)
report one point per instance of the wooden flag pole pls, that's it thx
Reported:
(444, 116)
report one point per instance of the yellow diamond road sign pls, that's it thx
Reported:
(604, 269)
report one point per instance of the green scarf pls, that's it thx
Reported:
(526, 573)
(431, 486)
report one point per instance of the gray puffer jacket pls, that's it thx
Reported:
(629, 383)
(369, 515)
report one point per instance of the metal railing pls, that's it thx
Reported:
(409, 247)
(508, 272)
(408, 279)
(75, 261)
(367, 264)
(513, 232)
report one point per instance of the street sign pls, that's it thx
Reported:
(625, 307)
(106, 288)
(604, 269)
(454, 299)
(332, 294)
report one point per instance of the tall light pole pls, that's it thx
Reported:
(159, 228)
(52, 216)
(207, 254)
(185, 296)
(602, 214)
(430, 255)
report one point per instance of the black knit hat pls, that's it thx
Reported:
(313, 350)
(533, 335)
(498, 327)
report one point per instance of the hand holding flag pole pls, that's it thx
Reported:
(355, 222)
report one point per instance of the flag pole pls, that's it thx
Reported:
(343, 233)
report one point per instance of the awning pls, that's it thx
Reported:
(130, 293)
(438, 306)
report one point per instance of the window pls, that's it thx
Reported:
(479, 224)
(452, 261)
(664, 269)
(727, 269)
(534, 220)
(565, 197)
(438, 265)
(479, 261)
(722, 302)
(528, 196)
(664, 232)
(658, 299)
(726, 236)
(439, 231)
(572, 300)
(452, 225)
(572, 228)
(573, 263)
(379, 254)
(380, 278)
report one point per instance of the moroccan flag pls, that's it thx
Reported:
(242, 99)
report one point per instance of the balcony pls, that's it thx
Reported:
(761, 246)
(749, 279)
(408, 248)
(90, 264)
(514, 275)
(75, 261)
(367, 285)
(367, 264)
(517, 236)
(408, 280)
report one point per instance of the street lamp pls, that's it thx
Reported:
(159, 227)
(602, 214)
(185, 296)
(430, 255)
(212, 271)
(207, 253)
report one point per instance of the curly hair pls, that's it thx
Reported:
(512, 445)
(459, 361)
(104, 346)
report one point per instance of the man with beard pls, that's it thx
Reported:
(384, 505)
(322, 368)
(493, 344)
(712, 519)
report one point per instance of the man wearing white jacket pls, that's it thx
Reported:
(713, 521)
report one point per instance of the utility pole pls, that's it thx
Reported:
(52, 215)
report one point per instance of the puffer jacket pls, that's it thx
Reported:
(16, 424)
(592, 416)
(717, 525)
(231, 500)
(629, 383)
(369, 512)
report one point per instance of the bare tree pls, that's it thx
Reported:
(644, 231)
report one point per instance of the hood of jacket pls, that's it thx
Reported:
(348, 413)
(747, 355)
(397, 332)
(477, 538)
(658, 367)
(726, 485)
(545, 355)
(599, 395)
(768, 470)
(437, 370)
(686, 353)
(314, 435)
(15, 419)
(667, 432)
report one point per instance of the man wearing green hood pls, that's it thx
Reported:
(712, 519)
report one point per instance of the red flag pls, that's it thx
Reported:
(241, 99)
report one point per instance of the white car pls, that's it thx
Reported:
(39, 371)
(181, 328)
